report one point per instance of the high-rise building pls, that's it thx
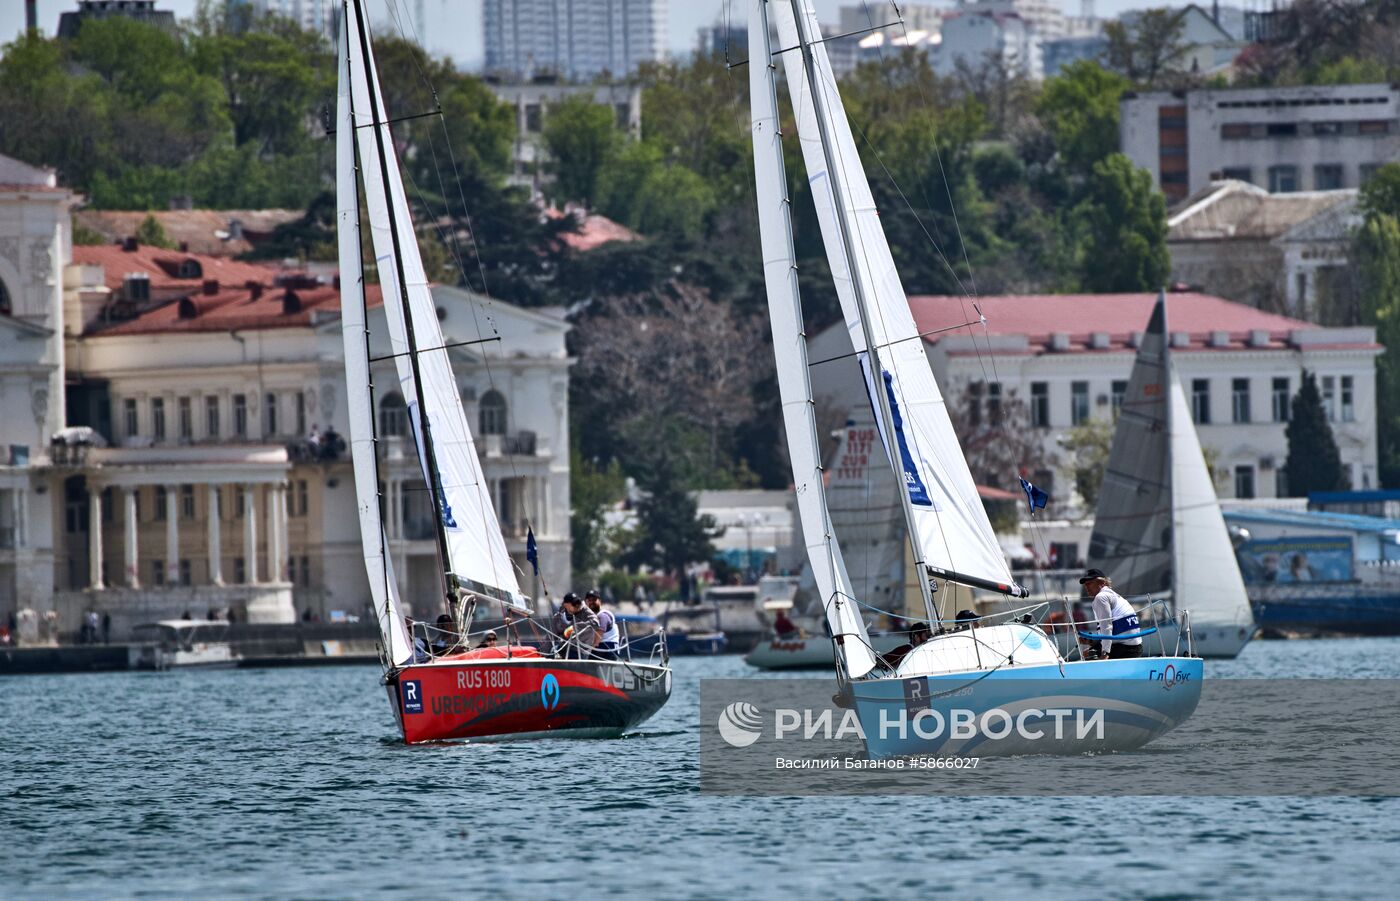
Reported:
(572, 39)
(319, 16)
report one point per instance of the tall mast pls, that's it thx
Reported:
(1169, 371)
(877, 372)
(425, 435)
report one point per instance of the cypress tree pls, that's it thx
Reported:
(1314, 463)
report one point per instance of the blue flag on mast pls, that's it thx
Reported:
(532, 551)
(1035, 497)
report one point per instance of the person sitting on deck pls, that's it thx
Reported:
(488, 640)
(965, 619)
(1114, 616)
(583, 635)
(783, 627)
(610, 639)
(421, 654)
(444, 636)
(919, 634)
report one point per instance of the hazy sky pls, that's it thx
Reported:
(453, 26)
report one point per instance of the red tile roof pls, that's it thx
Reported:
(203, 231)
(163, 267)
(593, 230)
(237, 308)
(1080, 316)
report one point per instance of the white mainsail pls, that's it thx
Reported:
(954, 536)
(1206, 574)
(476, 550)
(790, 354)
(383, 587)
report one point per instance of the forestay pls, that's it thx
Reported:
(1132, 538)
(476, 550)
(383, 587)
(790, 354)
(954, 536)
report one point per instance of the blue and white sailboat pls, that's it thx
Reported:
(1011, 668)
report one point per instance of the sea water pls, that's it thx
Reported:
(293, 783)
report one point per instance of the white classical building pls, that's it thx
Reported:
(206, 379)
(1066, 360)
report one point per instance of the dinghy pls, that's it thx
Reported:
(1009, 668)
(516, 690)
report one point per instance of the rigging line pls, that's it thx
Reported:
(856, 353)
(836, 37)
(426, 350)
(455, 248)
(436, 112)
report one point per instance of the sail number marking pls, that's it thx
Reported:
(483, 678)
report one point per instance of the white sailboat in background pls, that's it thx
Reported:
(487, 692)
(1158, 527)
(1008, 665)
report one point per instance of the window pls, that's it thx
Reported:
(1326, 128)
(994, 402)
(1040, 405)
(1327, 177)
(1368, 170)
(129, 421)
(238, 493)
(492, 417)
(157, 572)
(240, 571)
(1238, 173)
(1078, 402)
(301, 412)
(240, 416)
(1329, 397)
(270, 415)
(974, 404)
(1281, 129)
(299, 499)
(1283, 179)
(1377, 127)
(1239, 400)
(186, 419)
(1280, 482)
(158, 418)
(1120, 391)
(160, 504)
(1244, 481)
(534, 118)
(1234, 131)
(1348, 400)
(211, 417)
(393, 415)
(1200, 401)
(186, 574)
(1282, 398)
(187, 501)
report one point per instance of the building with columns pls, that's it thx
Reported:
(201, 468)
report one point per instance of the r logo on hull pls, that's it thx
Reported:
(411, 693)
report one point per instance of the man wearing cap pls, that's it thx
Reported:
(583, 634)
(1115, 616)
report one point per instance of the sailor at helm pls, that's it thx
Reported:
(1115, 616)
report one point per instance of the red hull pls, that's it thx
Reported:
(457, 699)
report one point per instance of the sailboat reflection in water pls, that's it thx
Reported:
(1013, 668)
(514, 689)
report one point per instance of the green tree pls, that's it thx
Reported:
(151, 232)
(1125, 222)
(1088, 445)
(1380, 196)
(582, 139)
(1079, 108)
(1150, 49)
(670, 532)
(592, 490)
(1314, 463)
(1376, 255)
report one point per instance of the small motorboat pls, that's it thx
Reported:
(182, 643)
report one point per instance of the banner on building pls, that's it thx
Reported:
(1285, 561)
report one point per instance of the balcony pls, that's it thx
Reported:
(519, 444)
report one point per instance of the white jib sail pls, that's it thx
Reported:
(954, 534)
(1207, 579)
(790, 353)
(476, 550)
(383, 588)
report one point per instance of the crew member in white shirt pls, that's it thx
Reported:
(1115, 616)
